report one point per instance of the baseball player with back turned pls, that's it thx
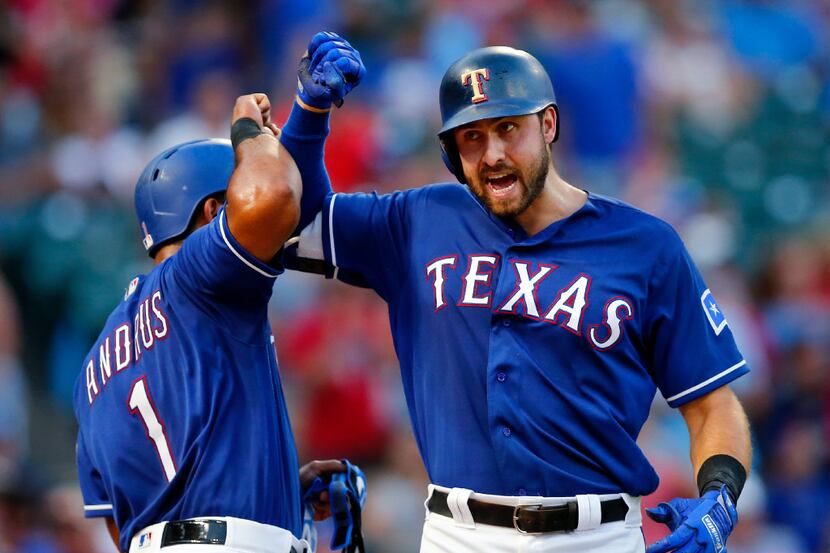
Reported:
(534, 322)
(184, 442)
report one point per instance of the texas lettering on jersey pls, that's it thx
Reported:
(565, 309)
(123, 346)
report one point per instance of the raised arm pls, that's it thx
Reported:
(328, 71)
(263, 198)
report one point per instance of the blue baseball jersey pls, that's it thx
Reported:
(179, 402)
(529, 363)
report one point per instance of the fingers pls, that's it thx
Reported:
(322, 510)
(321, 38)
(678, 538)
(667, 514)
(264, 105)
(352, 69)
(256, 106)
(692, 546)
(325, 48)
(659, 514)
(322, 468)
(246, 106)
(334, 55)
(339, 75)
(275, 130)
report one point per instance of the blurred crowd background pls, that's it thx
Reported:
(711, 114)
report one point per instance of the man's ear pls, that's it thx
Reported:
(549, 123)
(211, 209)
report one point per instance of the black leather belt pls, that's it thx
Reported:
(529, 519)
(178, 532)
(207, 532)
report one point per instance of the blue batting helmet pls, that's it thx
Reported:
(174, 184)
(497, 81)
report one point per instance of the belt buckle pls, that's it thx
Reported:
(535, 507)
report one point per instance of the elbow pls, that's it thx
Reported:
(284, 202)
(272, 204)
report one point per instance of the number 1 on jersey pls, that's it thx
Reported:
(141, 404)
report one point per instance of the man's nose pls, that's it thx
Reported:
(494, 154)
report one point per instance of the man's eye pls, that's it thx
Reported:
(472, 135)
(507, 126)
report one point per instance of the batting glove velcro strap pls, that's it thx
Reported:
(328, 71)
(698, 525)
(347, 496)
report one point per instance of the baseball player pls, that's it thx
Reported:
(534, 322)
(184, 441)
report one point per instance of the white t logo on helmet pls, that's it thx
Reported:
(476, 77)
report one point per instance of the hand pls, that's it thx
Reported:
(328, 71)
(255, 106)
(698, 525)
(314, 478)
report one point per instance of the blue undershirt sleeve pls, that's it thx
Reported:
(304, 136)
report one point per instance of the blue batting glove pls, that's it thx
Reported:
(328, 71)
(698, 525)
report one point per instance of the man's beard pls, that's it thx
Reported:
(532, 184)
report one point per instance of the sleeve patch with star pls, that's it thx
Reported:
(713, 312)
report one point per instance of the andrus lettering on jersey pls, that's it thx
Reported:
(566, 309)
(125, 345)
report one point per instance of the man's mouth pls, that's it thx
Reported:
(501, 184)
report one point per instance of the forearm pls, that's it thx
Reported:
(718, 426)
(304, 136)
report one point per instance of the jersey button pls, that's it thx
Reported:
(506, 431)
(522, 491)
(505, 322)
(501, 377)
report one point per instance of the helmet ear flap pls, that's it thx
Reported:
(451, 157)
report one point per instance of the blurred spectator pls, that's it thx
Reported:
(791, 286)
(754, 534)
(799, 484)
(21, 522)
(688, 72)
(395, 514)
(99, 154)
(800, 394)
(337, 347)
(14, 389)
(209, 116)
(75, 534)
(772, 34)
(595, 80)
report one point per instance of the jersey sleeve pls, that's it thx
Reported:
(362, 239)
(211, 263)
(96, 501)
(692, 348)
(216, 275)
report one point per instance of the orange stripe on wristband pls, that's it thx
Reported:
(311, 108)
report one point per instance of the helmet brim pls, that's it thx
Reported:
(491, 110)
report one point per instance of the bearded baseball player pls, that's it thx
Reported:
(184, 442)
(534, 322)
